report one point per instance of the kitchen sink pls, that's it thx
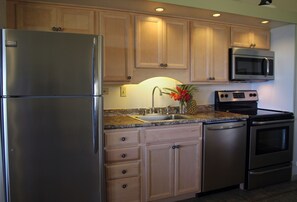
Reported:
(160, 117)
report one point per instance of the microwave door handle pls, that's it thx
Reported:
(267, 66)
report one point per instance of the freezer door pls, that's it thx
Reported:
(49, 63)
(51, 151)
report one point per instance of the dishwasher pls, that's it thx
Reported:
(224, 154)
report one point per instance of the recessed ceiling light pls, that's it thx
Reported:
(265, 22)
(216, 15)
(159, 9)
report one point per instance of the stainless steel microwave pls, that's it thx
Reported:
(248, 64)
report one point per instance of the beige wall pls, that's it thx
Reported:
(2, 13)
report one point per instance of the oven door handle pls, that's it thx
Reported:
(269, 171)
(226, 127)
(271, 122)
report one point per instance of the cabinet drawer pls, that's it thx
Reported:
(172, 133)
(122, 154)
(122, 170)
(114, 138)
(127, 189)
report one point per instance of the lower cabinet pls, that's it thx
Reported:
(122, 156)
(172, 161)
(153, 163)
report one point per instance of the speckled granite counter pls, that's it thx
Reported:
(126, 121)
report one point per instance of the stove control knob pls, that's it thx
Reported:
(255, 94)
(251, 94)
(222, 96)
(226, 95)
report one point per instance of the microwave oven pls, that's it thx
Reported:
(248, 64)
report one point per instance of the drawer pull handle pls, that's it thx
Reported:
(124, 156)
(123, 139)
(124, 171)
(124, 186)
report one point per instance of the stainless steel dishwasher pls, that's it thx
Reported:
(224, 154)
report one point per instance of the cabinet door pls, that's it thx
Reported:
(175, 43)
(160, 165)
(241, 37)
(219, 52)
(35, 17)
(200, 70)
(115, 28)
(76, 20)
(148, 42)
(261, 38)
(188, 167)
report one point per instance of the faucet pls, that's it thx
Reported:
(153, 95)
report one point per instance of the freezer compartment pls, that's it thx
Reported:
(50, 149)
(48, 63)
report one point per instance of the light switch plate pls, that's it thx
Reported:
(123, 91)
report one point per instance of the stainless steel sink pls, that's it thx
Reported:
(160, 117)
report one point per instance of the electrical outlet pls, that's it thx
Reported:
(105, 91)
(123, 92)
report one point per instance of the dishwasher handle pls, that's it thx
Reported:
(226, 127)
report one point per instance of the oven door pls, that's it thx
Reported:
(271, 142)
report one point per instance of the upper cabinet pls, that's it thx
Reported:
(54, 18)
(209, 52)
(116, 29)
(250, 37)
(161, 42)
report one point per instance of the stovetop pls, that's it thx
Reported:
(263, 113)
(245, 102)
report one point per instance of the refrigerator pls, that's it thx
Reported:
(51, 117)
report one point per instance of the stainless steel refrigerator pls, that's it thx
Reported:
(51, 117)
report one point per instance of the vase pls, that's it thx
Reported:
(182, 108)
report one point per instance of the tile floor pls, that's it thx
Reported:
(284, 192)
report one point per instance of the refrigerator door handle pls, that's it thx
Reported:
(95, 124)
(97, 65)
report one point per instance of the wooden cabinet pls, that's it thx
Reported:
(172, 161)
(122, 156)
(161, 42)
(44, 17)
(209, 52)
(250, 37)
(116, 29)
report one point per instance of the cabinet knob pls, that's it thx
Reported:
(60, 29)
(161, 65)
(175, 146)
(123, 139)
(124, 172)
(54, 29)
(129, 77)
(124, 156)
(124, 186)
(165, 65)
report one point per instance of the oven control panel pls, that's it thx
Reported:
(238, 95)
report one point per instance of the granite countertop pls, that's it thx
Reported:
(127, 121)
